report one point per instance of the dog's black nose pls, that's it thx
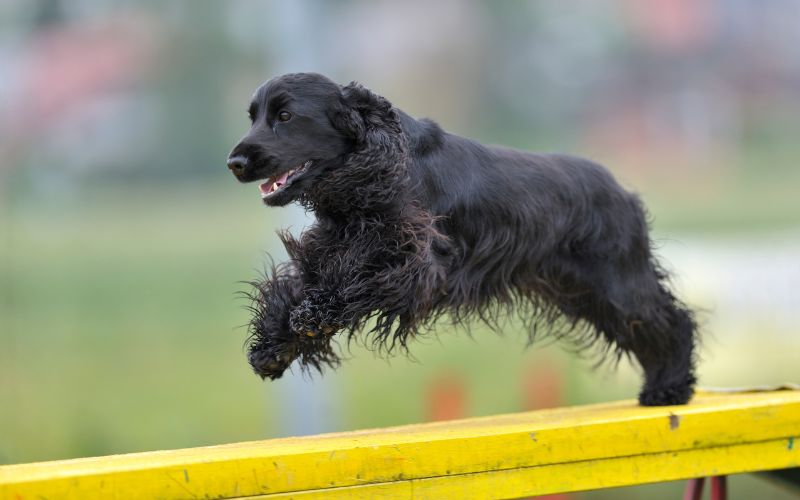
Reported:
(237, 163)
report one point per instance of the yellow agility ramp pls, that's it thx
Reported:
(504, 456)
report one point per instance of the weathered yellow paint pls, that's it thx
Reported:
(503, 456)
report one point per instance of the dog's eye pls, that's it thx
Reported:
(284, 116)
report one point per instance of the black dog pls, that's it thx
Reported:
(413, 223)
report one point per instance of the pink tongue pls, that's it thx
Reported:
(280, 181)
(266, 187)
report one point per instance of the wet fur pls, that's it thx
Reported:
(413, 223)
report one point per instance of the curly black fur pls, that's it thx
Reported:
(413, 223)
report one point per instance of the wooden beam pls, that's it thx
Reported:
(505, 456)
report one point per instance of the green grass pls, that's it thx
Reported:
(745, 207)
(121, 318)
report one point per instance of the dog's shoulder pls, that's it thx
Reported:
(424, 135)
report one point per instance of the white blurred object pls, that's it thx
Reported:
(747, 284)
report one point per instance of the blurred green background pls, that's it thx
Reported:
(124, 238)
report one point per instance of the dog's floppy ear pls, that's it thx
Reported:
(359, 110)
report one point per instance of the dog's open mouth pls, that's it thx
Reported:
(274, 184)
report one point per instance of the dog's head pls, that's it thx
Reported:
(304, 126)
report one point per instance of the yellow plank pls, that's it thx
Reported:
(502, 456)
(569, 476)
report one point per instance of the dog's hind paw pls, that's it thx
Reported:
(678, 394)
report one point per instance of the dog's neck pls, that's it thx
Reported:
(372, 180)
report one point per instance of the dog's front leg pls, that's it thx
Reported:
(398, 298)
(391, 276)
(333, 300)
(274, 345)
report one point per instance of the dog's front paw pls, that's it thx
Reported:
(272, 346)
(269, 364)
(311, 320)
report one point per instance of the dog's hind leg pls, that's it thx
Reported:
(663, 341)
(635, 312)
